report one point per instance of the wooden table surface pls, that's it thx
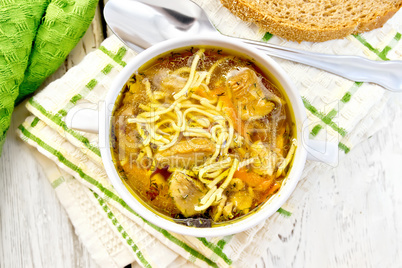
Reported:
(352, 216)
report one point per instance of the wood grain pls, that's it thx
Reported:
(352, 216)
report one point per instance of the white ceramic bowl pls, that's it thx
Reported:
(262, 212)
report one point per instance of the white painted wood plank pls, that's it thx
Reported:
(352, 215)
(35, 230)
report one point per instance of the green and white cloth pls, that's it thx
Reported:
(36, 36)
(338, 109)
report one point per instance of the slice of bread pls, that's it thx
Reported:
(314, 20)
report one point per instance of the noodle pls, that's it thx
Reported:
(192, 73)
(193, 109)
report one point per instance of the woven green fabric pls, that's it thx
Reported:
(35, 38)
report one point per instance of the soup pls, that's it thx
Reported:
(202, 134)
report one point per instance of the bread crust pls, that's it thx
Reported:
(248, 10)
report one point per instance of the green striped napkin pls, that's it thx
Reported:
(339, 110)
(35, 38)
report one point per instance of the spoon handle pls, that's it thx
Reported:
(385, 73)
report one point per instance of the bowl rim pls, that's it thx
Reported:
(268, 208)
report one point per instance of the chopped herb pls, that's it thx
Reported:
(221, 94)
(174, 54)
(219, 51)
(153, 146)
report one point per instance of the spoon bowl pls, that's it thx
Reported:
(141, 24)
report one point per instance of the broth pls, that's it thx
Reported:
(202, 133)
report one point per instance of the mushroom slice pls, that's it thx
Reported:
(186, 153)
(266, 159)
(186, 193)
(248, 95)
(239, 199)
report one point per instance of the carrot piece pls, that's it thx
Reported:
(265, 185)
(253, 179)
(274, 188)
(266, 189)
(229, 110)
(200, 91)
(222, 90)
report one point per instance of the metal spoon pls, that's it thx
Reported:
(143, 23)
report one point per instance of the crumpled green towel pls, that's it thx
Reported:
(35, 38)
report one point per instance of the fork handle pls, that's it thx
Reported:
(385, 73)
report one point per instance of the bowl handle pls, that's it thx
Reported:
(83, 118)
(322, 151)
